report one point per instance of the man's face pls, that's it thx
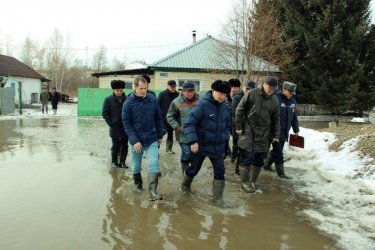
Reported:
(287, 93)
(268, 89)
(118, 92)
(141, 89)
(234, 91)
(188, 93)
(171, 88)
(219, 97)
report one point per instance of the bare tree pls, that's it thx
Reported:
(117, 64)
(29, 52)
(99, 60)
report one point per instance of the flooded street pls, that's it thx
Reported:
(58, 191)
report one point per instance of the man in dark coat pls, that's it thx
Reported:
(55, 98)
(142, 121)
(111, 112)
(288, 119)
(257, 123)
(207, 131)
(236, 152)
(165, 99)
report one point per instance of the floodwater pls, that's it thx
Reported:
(58, 191)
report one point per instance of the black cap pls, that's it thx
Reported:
(147, 78)
(172, 83)
(250, 84)
(221, 86)
(234, 83)
(188, 85)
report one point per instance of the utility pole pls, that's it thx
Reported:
(20, 97)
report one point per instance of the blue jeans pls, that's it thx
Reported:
(256, 159)
(185, 152)
(152, 157)
(197, 161)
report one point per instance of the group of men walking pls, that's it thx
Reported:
(256, 117)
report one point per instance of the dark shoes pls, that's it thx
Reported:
(119, 165)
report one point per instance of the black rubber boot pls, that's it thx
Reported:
(280, 171)
(254, 174)
(169, 146)
(217, 193)
(153, 184)
(114, 160)
(123, 155)
(186, 184)
(138, 182)
(268, 162)
(245, 179)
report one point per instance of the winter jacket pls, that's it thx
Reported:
(55, 97)
(165, 99)
(258, 116)
(141, 117)
(178, 113)
(208, 124)
(111, 112)
(288, 116)
(44, 97)
(235, 101)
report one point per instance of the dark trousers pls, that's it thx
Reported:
(54, 105)
(256, 159)
(120, 145)
(277, 152)
(168, 129)
(197, 161)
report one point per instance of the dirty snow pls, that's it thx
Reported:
(341, 202)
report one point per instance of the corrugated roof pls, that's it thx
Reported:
(10, 66)
(204, 55)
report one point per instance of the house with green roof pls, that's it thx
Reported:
(201, 62)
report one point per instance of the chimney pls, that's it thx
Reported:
(194, 37)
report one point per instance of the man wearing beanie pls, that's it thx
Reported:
(257, 124)
(288, 119)
(111, 113)
(177, 113)
(165, 99)
(236, 152)
(207, 131)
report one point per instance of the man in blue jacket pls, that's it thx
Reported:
(288, 119)
(111, 113)
(142, 121)
(207, 131)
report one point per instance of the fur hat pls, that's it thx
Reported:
(221, 86)
(234, 83)
(290, 86)
(117, 84)
(172, 83)
(148, 79)
(250, 84)
(188, 85)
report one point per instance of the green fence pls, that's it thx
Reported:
(90, 100)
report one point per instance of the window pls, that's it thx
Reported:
(197, 83)
(128, 85)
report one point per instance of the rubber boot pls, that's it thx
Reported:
(153, 184)
(186, 184)
(169, 146)
(114, 160)
(280, 171)
(123, 155)
(245, 179)
(254, 174)
(184, 165)
(268, 162)
(217, 193)
(138, 182)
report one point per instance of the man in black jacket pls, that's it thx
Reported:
(165, 99)
(111, 113)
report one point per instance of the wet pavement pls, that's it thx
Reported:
(58, 191)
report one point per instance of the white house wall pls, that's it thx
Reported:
(29, 86)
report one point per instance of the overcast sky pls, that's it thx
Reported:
(137, 29)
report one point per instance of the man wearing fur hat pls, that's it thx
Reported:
(207, 131)
(111, 113)
(288, 119)
(257, 123)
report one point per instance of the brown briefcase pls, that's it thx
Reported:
(296, 141)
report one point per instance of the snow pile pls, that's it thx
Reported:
(341, 205)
